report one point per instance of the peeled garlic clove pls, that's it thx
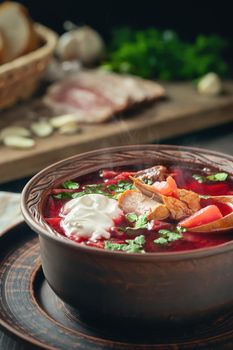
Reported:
(58, 122)
(42, 128)
(69, 128)
(210, 85)
(14, 131)
(18, 142)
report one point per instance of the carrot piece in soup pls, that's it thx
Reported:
(166, 188)
(202, 217)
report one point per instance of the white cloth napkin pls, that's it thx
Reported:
(10, 213)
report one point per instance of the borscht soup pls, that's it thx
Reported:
(152, 210)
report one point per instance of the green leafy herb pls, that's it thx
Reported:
(199, 178)
(88, 189)
(217, 177)
(213, 177)
(113, 246)
(161, 240)
(152, 53)
(131, 246)
(141, 222)
(203, 196)
(71, 185)
(94, 189)
(139, 240)
(64, 195)
(120, 187)
(112, 187)
(167, 236)
(131, 217)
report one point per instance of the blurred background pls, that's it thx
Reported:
(182, 49)
(188, 18)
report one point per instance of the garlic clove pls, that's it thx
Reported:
(69, 129)
(42, 128)
(18, 142)
(210, 85)
(58, 122)
(14, 131)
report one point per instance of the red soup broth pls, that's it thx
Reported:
(112, 182)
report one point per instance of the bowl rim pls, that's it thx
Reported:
(163, 256)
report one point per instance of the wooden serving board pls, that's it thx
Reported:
(183, 111)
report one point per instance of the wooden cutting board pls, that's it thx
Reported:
(183, 111)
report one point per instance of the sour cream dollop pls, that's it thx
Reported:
(90, 216)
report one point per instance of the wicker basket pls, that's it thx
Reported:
(20, 77)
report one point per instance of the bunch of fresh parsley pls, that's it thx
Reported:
(163, 55)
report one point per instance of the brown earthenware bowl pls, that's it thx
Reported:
(131, 289)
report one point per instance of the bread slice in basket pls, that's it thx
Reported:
(17, 32)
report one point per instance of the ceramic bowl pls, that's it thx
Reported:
(107, 286)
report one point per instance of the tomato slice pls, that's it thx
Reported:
(166, 188)
(202, 216)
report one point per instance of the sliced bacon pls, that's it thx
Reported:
(93, 96)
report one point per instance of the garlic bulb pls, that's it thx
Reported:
(210, 85)
(83, 43)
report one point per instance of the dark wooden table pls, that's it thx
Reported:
(218, 138)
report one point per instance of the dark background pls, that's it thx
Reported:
(188, 18)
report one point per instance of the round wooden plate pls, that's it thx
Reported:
(32, 313)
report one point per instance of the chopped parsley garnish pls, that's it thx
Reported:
(113, 246)
(117, 189)
(140, 221)
(120, 187)
(131, 217)
(131, 246)
(203, 196)
(213, 177)
(199, 178)
(217, 177)
(88, 189)
(64, 195)
(94, 189)
(161, 240)
(71, 185)
(167, 236)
